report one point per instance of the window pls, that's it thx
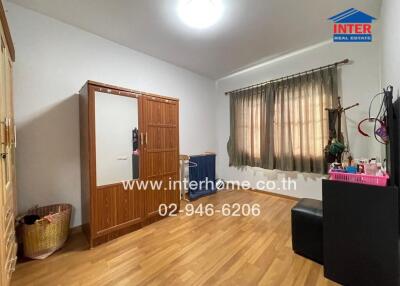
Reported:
(283, 125)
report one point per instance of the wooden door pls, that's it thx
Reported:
(3, 148)
(161, 149)
(6, 148)
(8, 247)
(7, 167)
(8, 138)
(11, 192)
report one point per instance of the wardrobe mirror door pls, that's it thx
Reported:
(117, 138)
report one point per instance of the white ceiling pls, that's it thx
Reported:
(249, 31)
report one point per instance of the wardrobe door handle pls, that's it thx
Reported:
(141, 138)
(8, 129)
(146, 138)
(3, 131)
(15, 136)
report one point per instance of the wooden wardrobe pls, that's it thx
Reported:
(110, 119)
(8, 246)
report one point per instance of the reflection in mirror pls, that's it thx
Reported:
(117, 144)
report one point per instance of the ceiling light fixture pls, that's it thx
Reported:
(200, 14)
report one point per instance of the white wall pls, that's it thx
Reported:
(359, 81)
(391, 44)
(53, 61)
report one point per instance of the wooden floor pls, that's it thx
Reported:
(187, 250)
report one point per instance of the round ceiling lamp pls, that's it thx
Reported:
(200, 14)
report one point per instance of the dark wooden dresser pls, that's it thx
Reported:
(361, 233)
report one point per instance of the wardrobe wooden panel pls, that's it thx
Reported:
(155, 163)
(111, 210)
(85, 159)
(105, 208)
(170, 165)
(130, 205)
(161, 151)
(8, 247)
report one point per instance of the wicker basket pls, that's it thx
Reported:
(46, 235)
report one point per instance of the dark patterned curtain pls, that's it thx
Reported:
(283, 125)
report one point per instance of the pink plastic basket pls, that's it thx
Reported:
(359, 178)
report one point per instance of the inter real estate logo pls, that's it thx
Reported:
(352, 26)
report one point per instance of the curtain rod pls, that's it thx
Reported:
(345, 61)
